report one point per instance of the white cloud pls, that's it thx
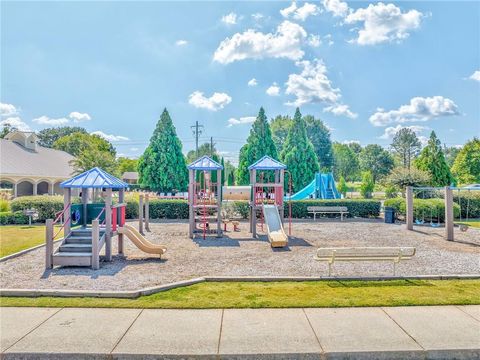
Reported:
(383, 23)
(15, 122)
(8, 109)
(337, 7)
(45, 120)
(253, 82)
(215, 102)
(134, 149)
(257, 16)
(348, 142)
(181, 42)
(284, 43)
(241, 121)
(110, 137)
(475, 76)
(79, 117)
(314, 40)
(230, 19)
(341, 110)
(300, 13)
(390, 131)
(312, 85)
(273, 90)
(419, 109)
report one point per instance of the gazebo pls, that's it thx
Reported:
(95, 223)
(204, 197)
(265, 192)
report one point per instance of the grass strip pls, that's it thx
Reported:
(283, 294)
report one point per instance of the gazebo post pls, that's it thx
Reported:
(253, 215)
(140, 214)
(108, 224)
(85, 204)
(121, 199)
(280, 193)
(67, 198)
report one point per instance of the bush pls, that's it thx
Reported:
(168, 209)
(10, 218)
(468, 200)
(423, 209)
(367, 186)
(391, 192)
(4, 205)
(357, 208)
(46, 206)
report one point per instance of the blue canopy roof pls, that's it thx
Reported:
(205, 163)
(267, 163)
(94, 178)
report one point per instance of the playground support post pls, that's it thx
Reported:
(121, 199)
(95, 240)
(108, 224)
(147, 212)
(67, 195)
(409, 207)
(84, 205)
(191, 201)
(49, 243)
(253, 211)
(449, 213)
(219, 203)
(140, 214)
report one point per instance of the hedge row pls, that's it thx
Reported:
(423, 209)
(46, 206)
(11, 218)
(356, 208)
(468, 201)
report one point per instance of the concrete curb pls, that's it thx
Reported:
(14, 255)
(132, 294)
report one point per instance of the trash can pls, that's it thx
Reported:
(389, 215)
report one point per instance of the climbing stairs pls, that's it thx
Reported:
(76, 248)
(329, 194)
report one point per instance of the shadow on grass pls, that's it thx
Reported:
(377, 284)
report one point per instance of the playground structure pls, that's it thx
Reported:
(449, 213)
(87, 227)
(321, 187)
(204, 196)
(266, 201)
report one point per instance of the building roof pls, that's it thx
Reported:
(267, 163)
(17, 160)
(93, 179)
(130, 175)
(205, 163)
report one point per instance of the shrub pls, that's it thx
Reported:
(423, 209)
(357, 208)
(391, 192)
(46, 206)
(468, 200)
(168, 209)
(367, 186)
(4, 205)
(401, 177)
(10, 218)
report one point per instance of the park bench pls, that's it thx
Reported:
(327, 210)
(394, 254)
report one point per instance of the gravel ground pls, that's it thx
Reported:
(237, 254)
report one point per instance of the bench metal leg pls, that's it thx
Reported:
(329, 269)
(394, 268)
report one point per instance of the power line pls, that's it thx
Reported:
(197, 130)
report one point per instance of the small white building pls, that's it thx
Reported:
(32, 169)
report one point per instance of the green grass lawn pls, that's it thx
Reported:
(283, 295)
(473, 223)
(14, 238)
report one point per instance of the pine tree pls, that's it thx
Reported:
(299, 155)
(162, 166)
(259, 143)
(432, 160)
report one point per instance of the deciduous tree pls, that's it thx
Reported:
(377, 160)
(467, 163)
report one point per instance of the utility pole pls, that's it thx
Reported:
(197, 131)
(211, 146)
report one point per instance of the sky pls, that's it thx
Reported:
(366, 69)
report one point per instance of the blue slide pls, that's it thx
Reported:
(322, 187)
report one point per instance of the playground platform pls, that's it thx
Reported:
(435, 332)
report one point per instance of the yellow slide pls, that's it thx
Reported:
(140, 242)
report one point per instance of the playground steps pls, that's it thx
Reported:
(329, 194)
(75, 249)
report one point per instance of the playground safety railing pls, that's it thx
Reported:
(61, 215)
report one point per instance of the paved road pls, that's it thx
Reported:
(436, 332)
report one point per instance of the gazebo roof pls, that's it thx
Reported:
(93, 179)
(267, 163)
(205, 163)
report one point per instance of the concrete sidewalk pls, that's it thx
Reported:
(437, 332)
